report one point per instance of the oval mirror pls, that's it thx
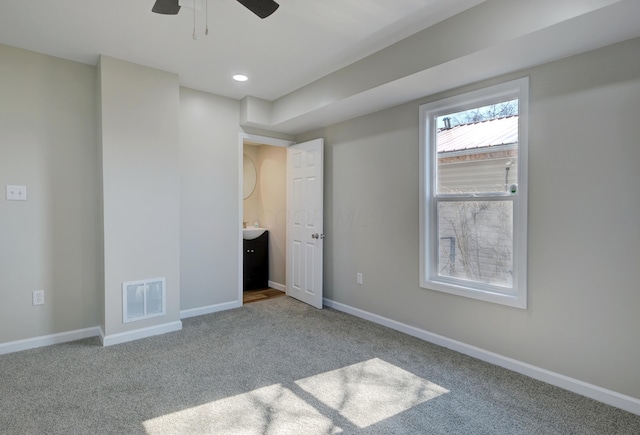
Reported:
(249, 176)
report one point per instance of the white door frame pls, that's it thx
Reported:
(263, 140)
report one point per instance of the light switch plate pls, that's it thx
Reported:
(16, 193)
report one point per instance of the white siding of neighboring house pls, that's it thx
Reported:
(477, 176)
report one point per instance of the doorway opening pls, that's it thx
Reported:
(263, 206)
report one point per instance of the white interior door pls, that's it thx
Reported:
(305, 235)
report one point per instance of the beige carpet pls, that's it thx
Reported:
(282, 367)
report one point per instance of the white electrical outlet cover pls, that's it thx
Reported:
(38, 297)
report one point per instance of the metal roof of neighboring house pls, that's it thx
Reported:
(499, 131)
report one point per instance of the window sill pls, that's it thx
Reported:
(512, 299)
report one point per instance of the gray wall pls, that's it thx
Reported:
(584, 231)
(51, 241)
(49, 141)
(210, 199)
(141, 185)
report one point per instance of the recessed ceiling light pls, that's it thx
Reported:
(240, 78)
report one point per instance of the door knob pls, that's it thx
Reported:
(317, 236)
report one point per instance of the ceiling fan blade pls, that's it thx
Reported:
(262, 8)
(167, 7)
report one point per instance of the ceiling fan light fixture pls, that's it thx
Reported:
(240, 78)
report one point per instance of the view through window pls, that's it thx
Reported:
(476, 152)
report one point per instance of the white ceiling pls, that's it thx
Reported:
(301, 42)
(318, 62)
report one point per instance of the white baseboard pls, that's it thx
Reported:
(123, 337)
(184, 314)
(277, 286)
(47, 340)
(96, 331)
(613, 398)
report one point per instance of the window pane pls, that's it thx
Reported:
(477, 150)
(476, 241)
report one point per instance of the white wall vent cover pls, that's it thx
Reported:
(143, 299)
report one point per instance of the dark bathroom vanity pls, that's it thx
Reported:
(256, 262)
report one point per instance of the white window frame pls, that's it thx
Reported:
(516, 296)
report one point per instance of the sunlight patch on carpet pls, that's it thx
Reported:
(365, 393)
(269, 410)
(371, 391)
